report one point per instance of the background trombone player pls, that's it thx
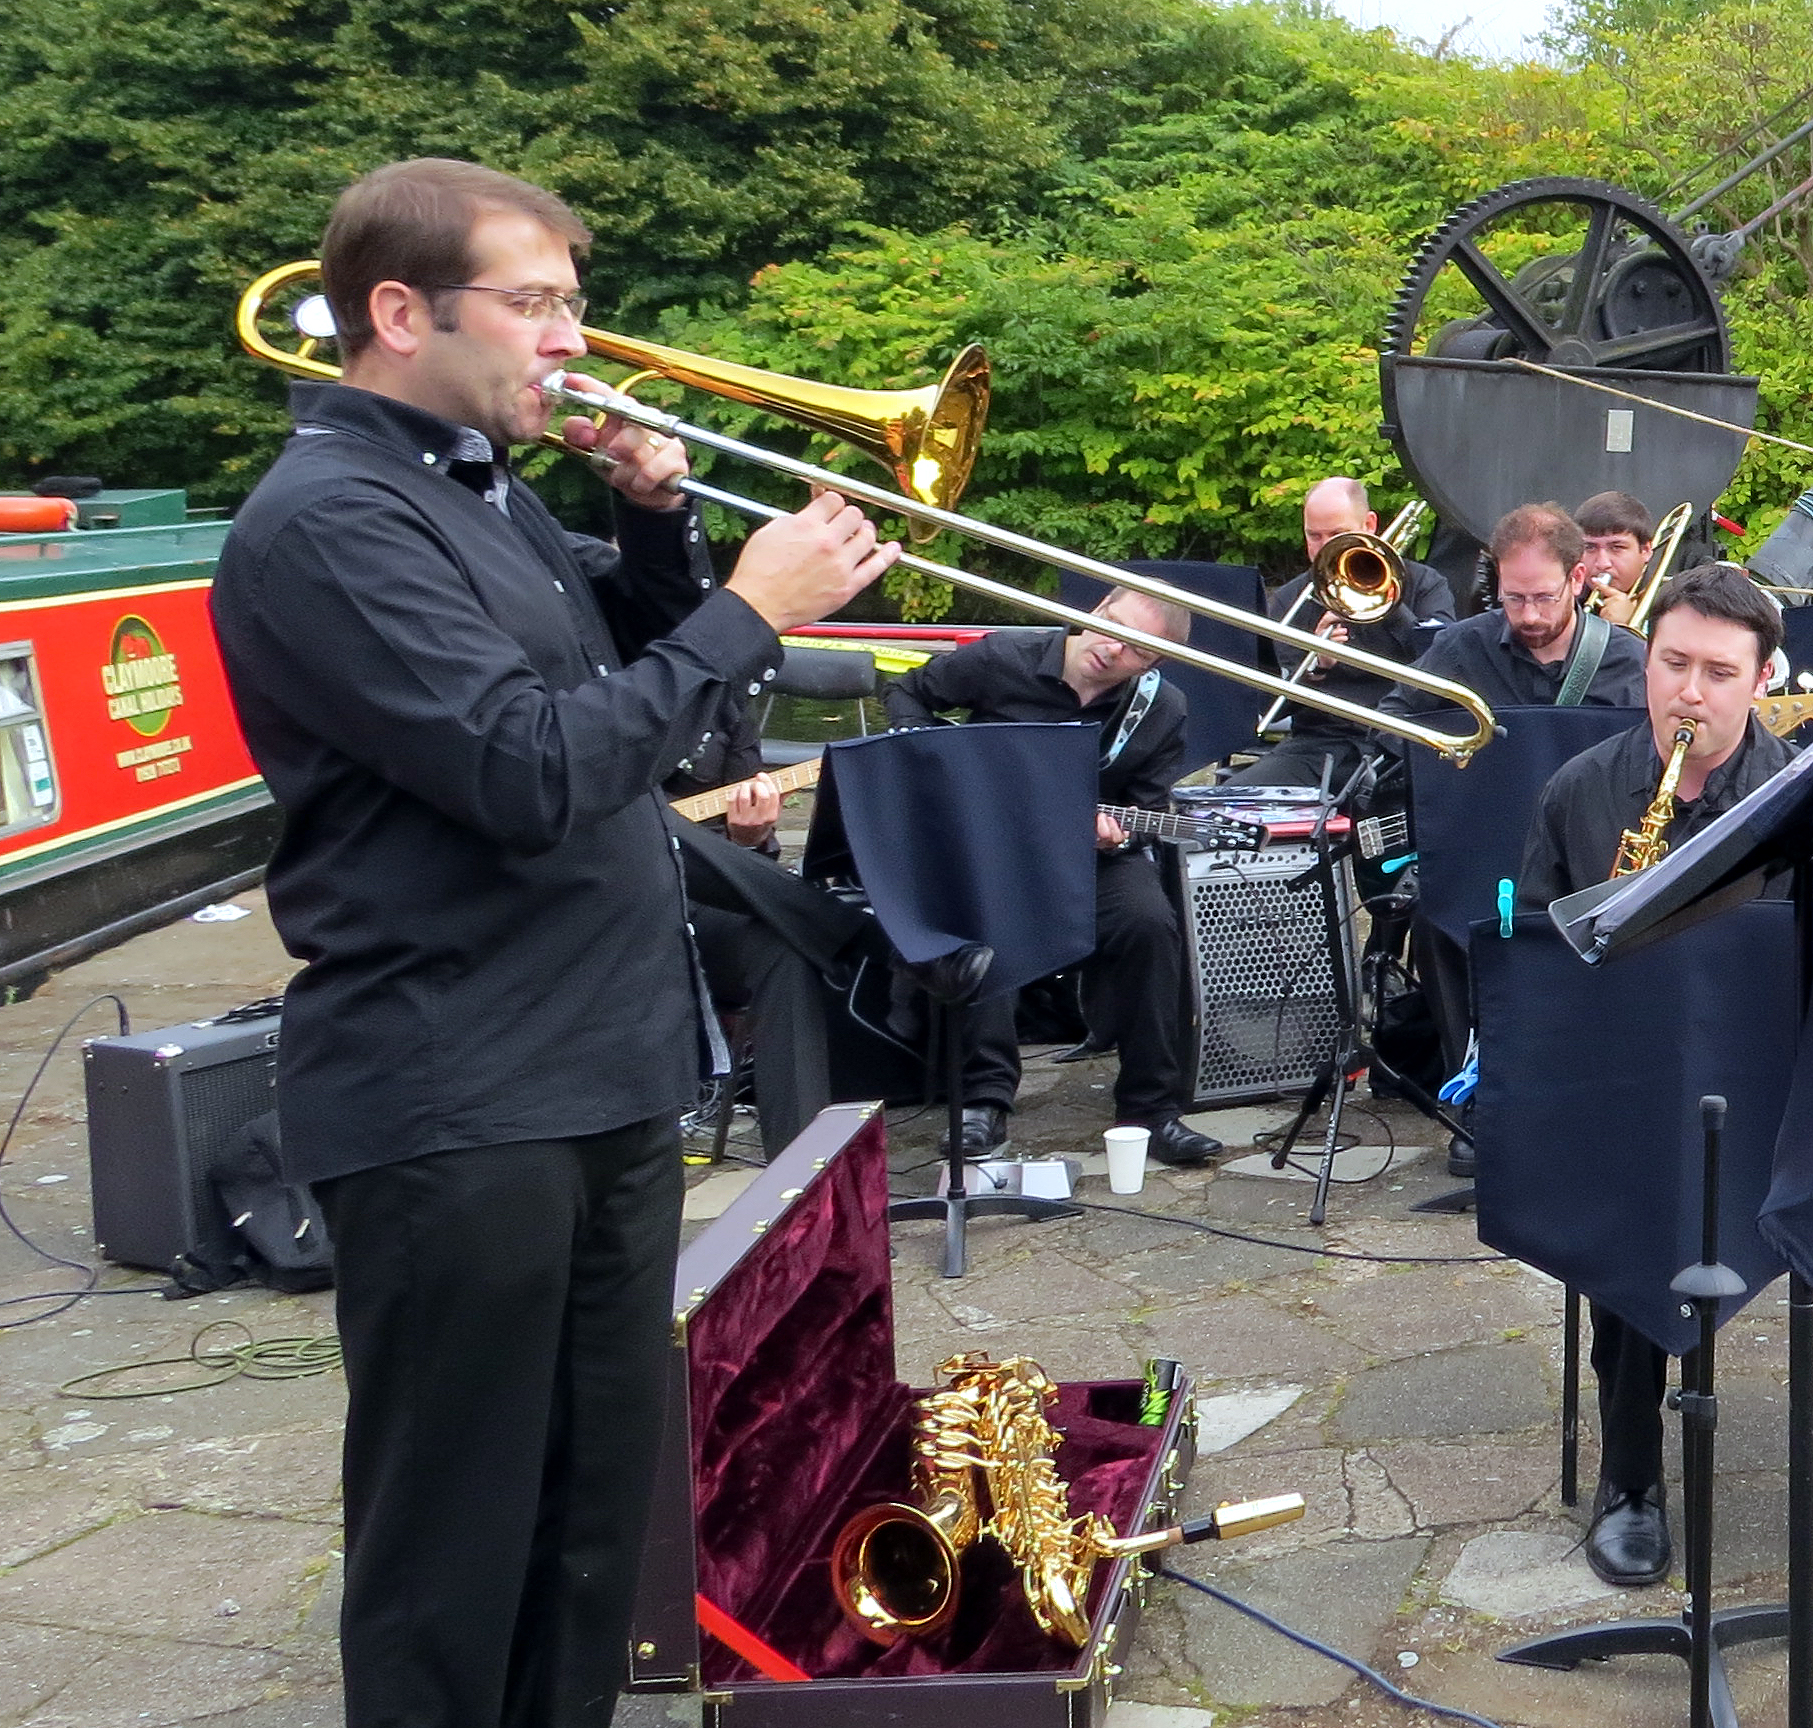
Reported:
(1317, 741)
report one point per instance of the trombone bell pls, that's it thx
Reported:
(1358, 576)
(927, 438)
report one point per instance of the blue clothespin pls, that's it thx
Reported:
(1464, 1084)
(1507, 899)
(1391, 866)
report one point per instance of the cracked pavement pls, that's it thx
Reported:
(173, 1559)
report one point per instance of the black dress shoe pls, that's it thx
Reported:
(1084, 1051)
(1173, 1143)
(1461, 1161)
(953, 977)
(1628, 1542)
(984, 1128)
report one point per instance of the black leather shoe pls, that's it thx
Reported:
(1628, 1543)
(1461, 1161)
(984, 1128)
(1083, 1052)
(953, 977)
(1173, 1143)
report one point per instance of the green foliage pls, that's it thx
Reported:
(1178, 227)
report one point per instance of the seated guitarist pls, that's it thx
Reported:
(1133, 983)
(764, 937)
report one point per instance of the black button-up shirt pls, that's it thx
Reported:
(462, 714)
(1589, 803)
(1020, 677)
(1426, 598)
(1481, 653)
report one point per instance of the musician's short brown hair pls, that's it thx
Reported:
(1544, 525)
(412, 222)
(1173, 619)
(1722, 591)
(1617, 513)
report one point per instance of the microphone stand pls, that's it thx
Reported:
(1352, 1053)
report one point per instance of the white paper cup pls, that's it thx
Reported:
(1126, 1158)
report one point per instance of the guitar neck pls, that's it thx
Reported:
(1215, 832)
(702, 806)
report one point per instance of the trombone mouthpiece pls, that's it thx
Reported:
(552, 385)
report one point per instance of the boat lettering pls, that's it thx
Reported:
(141, 684)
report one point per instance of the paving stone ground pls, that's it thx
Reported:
(174, 1559)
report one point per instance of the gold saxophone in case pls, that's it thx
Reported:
(983, 1469)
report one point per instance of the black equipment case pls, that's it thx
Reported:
(785, 1418)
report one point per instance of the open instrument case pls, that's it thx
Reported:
(785, 1417)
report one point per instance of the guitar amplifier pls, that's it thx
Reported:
(1262, 967)
(163, 1107)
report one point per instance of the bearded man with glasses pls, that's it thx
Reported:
(1538, 648)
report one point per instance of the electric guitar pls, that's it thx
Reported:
(1216, 833)
(1213, 833)
(702, 806)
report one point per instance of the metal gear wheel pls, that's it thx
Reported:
(1628, 295)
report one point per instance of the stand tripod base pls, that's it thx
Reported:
(1730, 1627)
(957, 1209)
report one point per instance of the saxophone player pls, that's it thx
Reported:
(1712, 637)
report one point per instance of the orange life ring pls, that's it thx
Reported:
(36, 515)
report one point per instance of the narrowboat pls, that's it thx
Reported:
(127, 797)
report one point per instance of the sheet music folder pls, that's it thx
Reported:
(1720, 867)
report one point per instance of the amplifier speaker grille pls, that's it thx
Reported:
(1264, 984)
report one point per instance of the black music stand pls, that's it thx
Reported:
(1352, 1052)
(1723, 865)
(964, 836)
(1470, 826)
(1635, 1211)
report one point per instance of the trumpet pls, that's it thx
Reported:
(779, 396)
(1356, 576)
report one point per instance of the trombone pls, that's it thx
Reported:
(778, 395)
(1670, 532)
(1357, 577)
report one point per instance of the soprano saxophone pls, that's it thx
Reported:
(1640, 847)
(983, 1468)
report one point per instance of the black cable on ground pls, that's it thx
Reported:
(1452, 1712)
(1295, 1247)
(65, 1300)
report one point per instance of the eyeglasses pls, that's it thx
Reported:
(535, 305)
(1533, 602)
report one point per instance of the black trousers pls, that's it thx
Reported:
(1132, 997)
(1633, 1378)
(1443, 971)
(749, 967)
(504, 1313)
(1299, 760)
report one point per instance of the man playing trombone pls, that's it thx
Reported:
(1619, 532)
(1319, 743)
(463, 712)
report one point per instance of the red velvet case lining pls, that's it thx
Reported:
(798, 1422)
